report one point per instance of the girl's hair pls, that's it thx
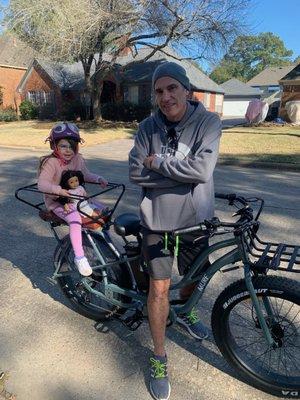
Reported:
(74, 147)
(66, 175)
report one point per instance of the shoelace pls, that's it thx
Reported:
(159, 368)
(193, 316)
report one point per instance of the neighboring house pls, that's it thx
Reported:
(290, 89)
(14, 60)
(268, 82)
(237, 97)
(51, 85)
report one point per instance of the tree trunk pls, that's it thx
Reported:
(96, 102)
(88, 91)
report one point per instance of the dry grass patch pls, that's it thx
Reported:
(34, 133)
(279, 144)
(265, 143)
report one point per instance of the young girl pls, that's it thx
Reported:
(64, 139)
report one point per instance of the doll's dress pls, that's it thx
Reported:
(86, 207)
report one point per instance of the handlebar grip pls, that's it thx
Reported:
(188, 230)
(230, 196)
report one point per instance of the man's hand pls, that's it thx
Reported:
(148, 161)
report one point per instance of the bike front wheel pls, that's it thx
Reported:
(82, 300)
(241, 340)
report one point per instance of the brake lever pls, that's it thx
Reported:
(242, 211)
(212, 224)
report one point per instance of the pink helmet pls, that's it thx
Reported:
(64, 130)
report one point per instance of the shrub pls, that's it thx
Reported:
(125, 111)
(28, 110)
(47, 111)
(8, 114)
(73, 109)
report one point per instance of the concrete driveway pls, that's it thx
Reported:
(53, 353)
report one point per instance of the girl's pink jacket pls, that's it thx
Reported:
(50, 176)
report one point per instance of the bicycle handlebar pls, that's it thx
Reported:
(246, 216)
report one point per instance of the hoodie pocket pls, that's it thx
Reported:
(166, 209)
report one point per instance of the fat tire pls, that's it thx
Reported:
(280, 287)
(118, 273)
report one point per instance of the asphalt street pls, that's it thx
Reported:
(53, 353)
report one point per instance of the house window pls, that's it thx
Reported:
(40, 98)
(206, 100)
(273, 88)
(219, 103)
(131, 94)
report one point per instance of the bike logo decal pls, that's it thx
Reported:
(290, 393)
(203, 283)
(243, 294)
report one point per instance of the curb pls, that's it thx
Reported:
(259, 164)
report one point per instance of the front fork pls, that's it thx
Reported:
(261, 319)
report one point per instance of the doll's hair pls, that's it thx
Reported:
(66, 175)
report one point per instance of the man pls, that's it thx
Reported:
(173, 160)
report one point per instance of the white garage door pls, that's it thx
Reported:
(235, 108)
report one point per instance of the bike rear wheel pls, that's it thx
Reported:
(84, 302)
(240, 338)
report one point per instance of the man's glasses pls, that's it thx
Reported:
(65, 147)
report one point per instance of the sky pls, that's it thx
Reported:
(278, 17)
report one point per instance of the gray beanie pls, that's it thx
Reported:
(172, 70)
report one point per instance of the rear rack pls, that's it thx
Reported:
(275, 256)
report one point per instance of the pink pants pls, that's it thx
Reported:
(73, 219)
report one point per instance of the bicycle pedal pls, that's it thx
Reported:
(132, 320)
(100, 327)
(51, 280)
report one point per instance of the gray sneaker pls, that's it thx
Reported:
(193, 324)
(159, 382)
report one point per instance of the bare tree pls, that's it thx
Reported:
(97, 31)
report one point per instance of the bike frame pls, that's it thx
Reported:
(235, 255)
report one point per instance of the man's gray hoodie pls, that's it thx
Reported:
(178, 190)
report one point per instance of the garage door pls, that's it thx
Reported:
(235, 108)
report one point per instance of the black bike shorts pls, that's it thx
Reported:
(159, 260)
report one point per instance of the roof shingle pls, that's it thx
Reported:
(234, 87)
(270, 76)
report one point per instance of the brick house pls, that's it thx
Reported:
(290, 84)
(14, 60)
(55, 87)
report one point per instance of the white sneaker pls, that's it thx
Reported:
(83, 266)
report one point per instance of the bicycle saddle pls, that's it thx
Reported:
(49, 216)
(127, 224)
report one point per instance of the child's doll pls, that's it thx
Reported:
(73, 182)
